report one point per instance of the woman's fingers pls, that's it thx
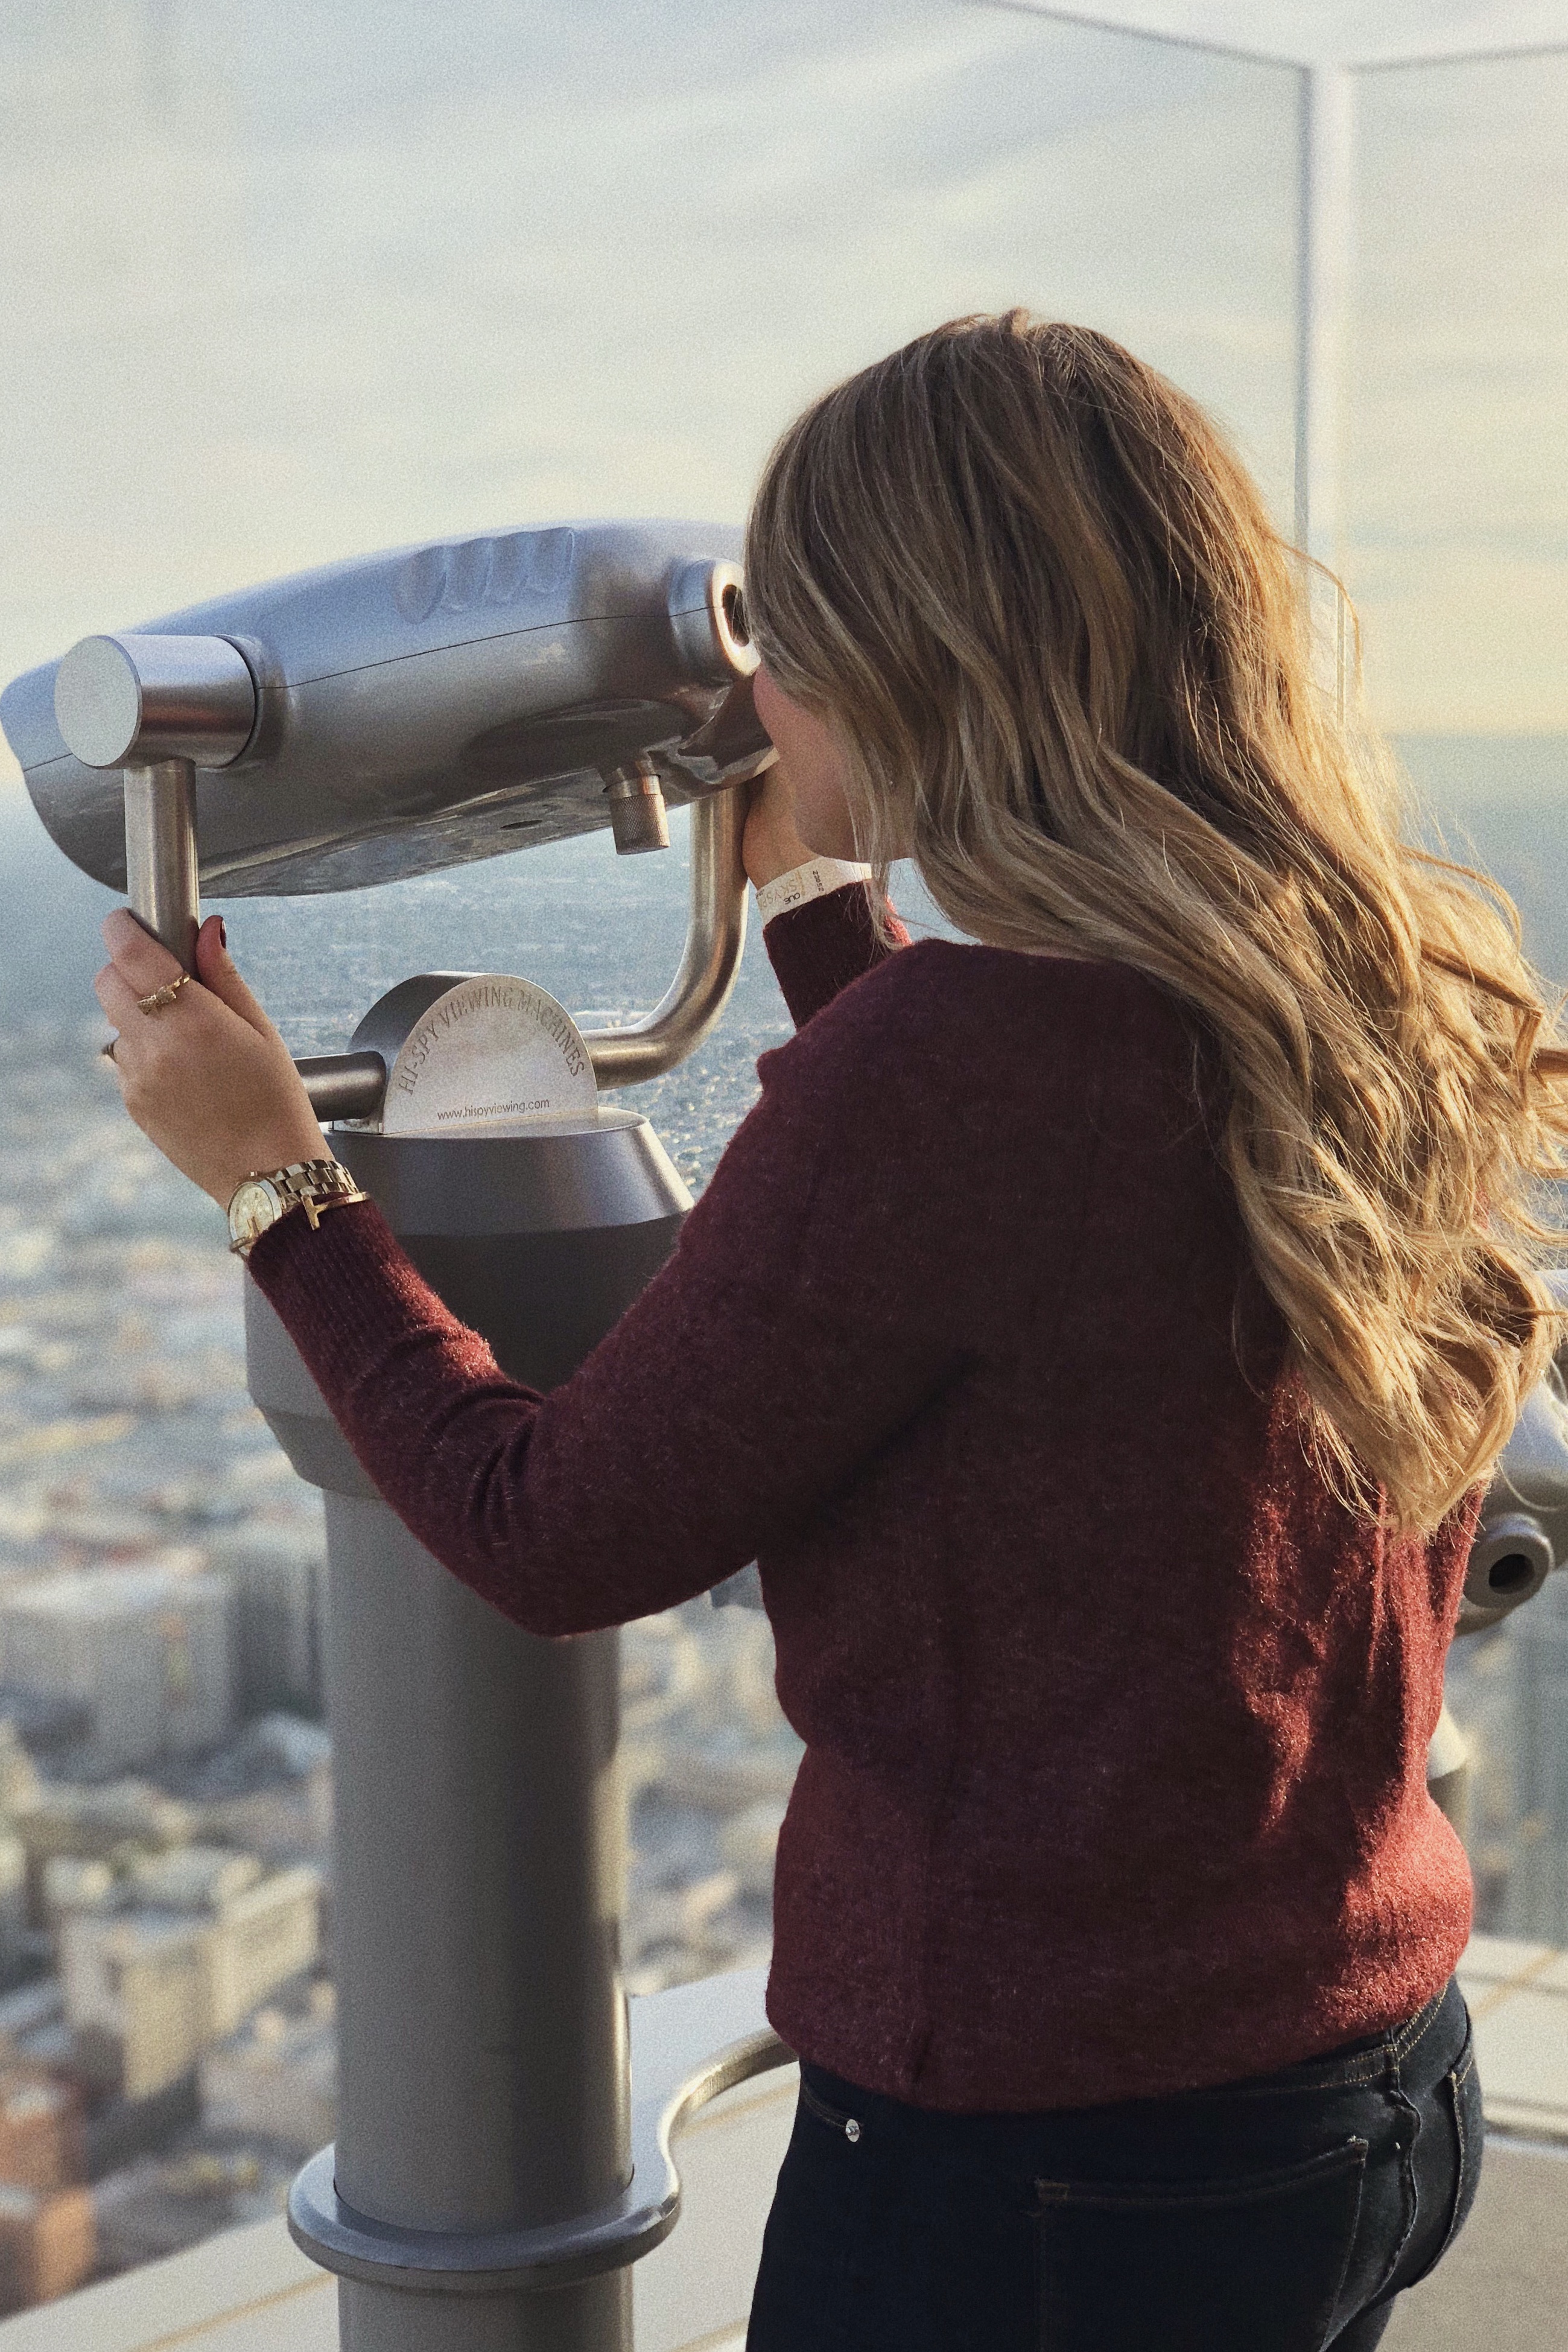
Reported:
(204, 1074)
(217, 970)
(116, 995)
(144, 962)
(113, 993)
(146, 1039)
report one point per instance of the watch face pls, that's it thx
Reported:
(254, 1207)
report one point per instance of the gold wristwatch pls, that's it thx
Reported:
(309, 1185)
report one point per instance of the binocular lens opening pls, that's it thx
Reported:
(1511, 1573)
(733, 605)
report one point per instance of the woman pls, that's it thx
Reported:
(1099, 1330)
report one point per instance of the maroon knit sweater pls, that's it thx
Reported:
(1115, 1721)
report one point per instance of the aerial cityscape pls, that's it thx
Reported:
(166, 1996)
(286, 285)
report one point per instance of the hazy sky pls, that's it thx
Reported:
(282, 281)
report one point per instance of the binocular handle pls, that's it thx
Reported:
(351, 1086)
(158, 709)
(161, 883)
(716, 935)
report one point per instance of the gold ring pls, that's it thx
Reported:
(162, 998)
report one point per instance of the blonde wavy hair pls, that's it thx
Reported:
(1041, 601)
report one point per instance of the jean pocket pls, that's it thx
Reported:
(1249, 2265)
(1449, 2172)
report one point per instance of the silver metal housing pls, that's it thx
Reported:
(436, 704)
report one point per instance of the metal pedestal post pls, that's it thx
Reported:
(480, 2194)
(596, 2313)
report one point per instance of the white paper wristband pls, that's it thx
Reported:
(804, 882)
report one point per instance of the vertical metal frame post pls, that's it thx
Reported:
(1323, 263)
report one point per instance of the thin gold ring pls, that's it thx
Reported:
(162, 998)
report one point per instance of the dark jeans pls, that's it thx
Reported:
(1277, 2215)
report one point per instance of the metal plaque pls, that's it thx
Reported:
(492, 1052)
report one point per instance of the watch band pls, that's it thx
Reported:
(313, 1185)
(804, 882)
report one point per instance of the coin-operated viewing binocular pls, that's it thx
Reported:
(377, 719)
(411, 711)
(1523, 1530)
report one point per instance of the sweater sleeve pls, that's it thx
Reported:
(760, 1369)
(819, 949)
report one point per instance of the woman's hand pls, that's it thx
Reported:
(207, 1077)
(799, 810)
